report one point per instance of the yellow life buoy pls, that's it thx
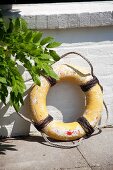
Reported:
(67, 131)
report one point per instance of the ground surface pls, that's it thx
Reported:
(32, 153)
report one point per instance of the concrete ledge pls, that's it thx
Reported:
(65, 15)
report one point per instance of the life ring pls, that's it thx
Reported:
(67, 131)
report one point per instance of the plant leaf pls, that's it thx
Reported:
(37, 80)
(15, 101)
(11, 26)
(55, 56)
(46, 40)
(53, 44)
(37, 37)
(23, 25)
(50, 72)
(28, 36)
(3, 80)
(45, 56)
(17, 24)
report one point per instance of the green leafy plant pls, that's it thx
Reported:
(20, 44)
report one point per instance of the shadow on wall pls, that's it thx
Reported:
(81, 35)
(3, 129)
(8, 12)
(6, 6)
(10, 123)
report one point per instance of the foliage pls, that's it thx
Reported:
(20, 44)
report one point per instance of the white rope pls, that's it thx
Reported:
(106, 125)
(25, 118)
(64, 146)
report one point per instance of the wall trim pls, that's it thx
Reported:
(64, 15)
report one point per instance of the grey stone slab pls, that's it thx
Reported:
(101, 19)
(84, 19)
(98, 150)
(108, 167)
(100, 14)
(30, 153)
(62, 21)
(52, 22)
(73, 20)
(41, 22)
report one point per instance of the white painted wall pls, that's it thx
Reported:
(96, 43)
(66, 98)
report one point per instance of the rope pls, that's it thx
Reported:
(25, 118)
(78, 72)
(64, 55)
(107, 117)
(107, 112)
(75, 143)
(91, 66)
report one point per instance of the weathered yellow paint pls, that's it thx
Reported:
(57, 129)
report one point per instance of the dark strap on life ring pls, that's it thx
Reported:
(42, 124)
(89, 84)
(85, 125)
(51, 80)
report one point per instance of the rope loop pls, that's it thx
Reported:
(66, 54)
(63, 146)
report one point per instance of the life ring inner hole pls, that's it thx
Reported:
(66, 101)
